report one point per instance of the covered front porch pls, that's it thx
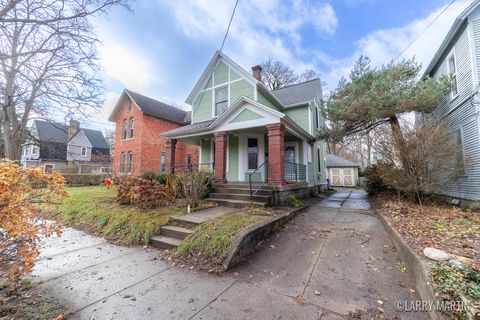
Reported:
(272, 154)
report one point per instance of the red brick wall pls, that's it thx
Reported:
(147, 144)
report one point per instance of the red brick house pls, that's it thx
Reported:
(139, 146)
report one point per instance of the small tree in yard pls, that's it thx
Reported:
(24, 195)
(195, 186)
(429, 151)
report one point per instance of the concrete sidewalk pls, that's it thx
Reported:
(331, 260)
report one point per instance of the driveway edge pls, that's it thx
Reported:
(246, 242)
(416, 267)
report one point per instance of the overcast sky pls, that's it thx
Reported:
(161, 48)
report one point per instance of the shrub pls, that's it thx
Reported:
(146, 194)
(82, 180)
(295, 202)
(22, 220)
(159, 177)
(195, 186)
(374, 183)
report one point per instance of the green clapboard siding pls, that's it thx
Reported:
(240, 88)
(234, 75)
(220, 73)
(206, 151)
(246, 115)
(299, 116)
(203, 111)
(265, 101)
(232, 174)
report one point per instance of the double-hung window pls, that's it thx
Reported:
(452, 71)
(132, 126)
(84, 151)
(221, 100)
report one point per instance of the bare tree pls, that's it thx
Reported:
(48, 63)
(276, 74)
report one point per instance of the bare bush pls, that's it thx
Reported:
(424, 159)
(195, 185)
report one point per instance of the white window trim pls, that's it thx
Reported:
(295, 144)
(310, 124)
(34, 147)
(449, 56)
(310, 153)
(214, 98)
(81, 151)
(48, 164)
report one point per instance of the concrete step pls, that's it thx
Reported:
(240, 190)
(241, 185)
(165, 242)
(237, 196)
(236, 203)
(186, 222)
(175, 232)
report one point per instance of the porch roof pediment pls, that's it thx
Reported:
(246, 113)
(258, 115)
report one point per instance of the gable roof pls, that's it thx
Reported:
(457, 26)
(336, 161)
(58, 133)
(51, 132)
(297, 93)
(96, 138)
(151, 107)
(222, 123)
(207, 73)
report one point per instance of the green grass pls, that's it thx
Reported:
(214, 238)
(95, 209)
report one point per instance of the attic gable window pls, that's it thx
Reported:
(221, 100)
(452, 71)
(129, 105)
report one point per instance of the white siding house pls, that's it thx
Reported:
(459, 57)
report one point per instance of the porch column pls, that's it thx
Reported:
(170, 146)
(220, 157)
(276, 154)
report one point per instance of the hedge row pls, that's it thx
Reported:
(81, 180)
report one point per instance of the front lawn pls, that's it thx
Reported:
(95, 210)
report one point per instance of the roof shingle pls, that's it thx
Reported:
(297, 93)
(336, 161)
(159, 109)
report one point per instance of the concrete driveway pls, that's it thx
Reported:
(333, 261)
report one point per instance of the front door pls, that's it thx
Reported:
(251, 157)
(290, 162)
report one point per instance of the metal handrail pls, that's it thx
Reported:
(295, 172)
(262, 170)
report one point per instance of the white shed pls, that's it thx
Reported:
(341, 172)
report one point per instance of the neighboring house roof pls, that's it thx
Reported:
(152, 107)
(336, 161)
(96, 138)
(452, 34)
(299, 93)
(51, 132)
(58, 133)
(190, 128)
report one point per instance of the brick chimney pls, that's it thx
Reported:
(257, 72)
(73, 128)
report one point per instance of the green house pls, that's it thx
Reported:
(252, 136)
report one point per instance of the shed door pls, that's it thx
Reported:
(348, 178)
(336, 177)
